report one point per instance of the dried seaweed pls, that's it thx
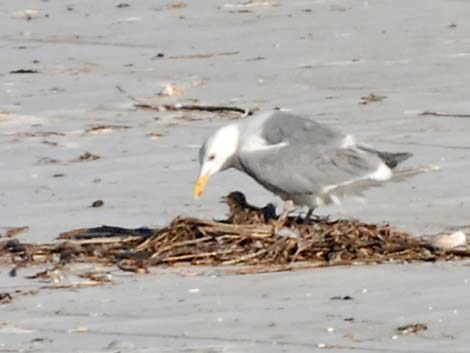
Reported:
(371, 98)
(24, 71)
(87, 156)
(5, 298)
(99, 129)
(411, 329)
(259, 243)
(10, 232)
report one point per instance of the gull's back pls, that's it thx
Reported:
(303, 160)
(280, 127)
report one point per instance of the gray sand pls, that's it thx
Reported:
(264, 313)
(313, 57)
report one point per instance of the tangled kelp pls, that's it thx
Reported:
(265, 244)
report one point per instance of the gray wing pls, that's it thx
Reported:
(308, 169)
(285, 127)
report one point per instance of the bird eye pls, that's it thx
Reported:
(211, 157)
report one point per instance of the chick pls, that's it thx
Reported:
(241, 212)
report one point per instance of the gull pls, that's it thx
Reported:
(305, 163)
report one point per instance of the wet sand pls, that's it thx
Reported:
(313, 57)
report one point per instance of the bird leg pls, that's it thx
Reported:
(288, 208)
(314, 218)
(308, 215)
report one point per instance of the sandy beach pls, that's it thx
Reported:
(394, 73)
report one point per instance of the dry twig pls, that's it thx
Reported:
(184, 107)
(442, 114)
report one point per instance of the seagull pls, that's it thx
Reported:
(305, 163)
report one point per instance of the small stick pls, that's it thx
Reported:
(203, 56)
(179, 244)
(103, 240)
(189, 256)
(120, 89)
(193, 107)
(449, 115)
(245, 258)
(152, 240)
(180, 107)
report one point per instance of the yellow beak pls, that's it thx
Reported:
(200, 185)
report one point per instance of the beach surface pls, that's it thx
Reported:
(393, 73)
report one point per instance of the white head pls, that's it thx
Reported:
(216, 155)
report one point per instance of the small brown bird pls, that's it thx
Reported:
(241, 212)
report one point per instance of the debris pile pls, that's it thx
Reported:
(257, 240)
